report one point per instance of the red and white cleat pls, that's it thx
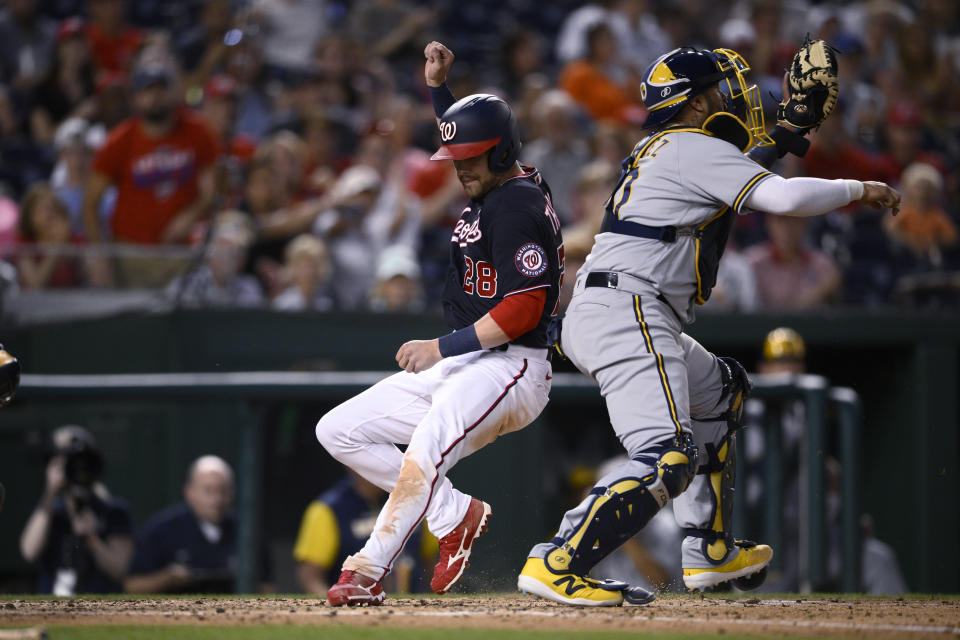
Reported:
(456, 546)
(354, 589)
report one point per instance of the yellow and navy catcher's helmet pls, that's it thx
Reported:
(674, 78)
(783, 343)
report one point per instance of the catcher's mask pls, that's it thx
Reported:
(675, 77)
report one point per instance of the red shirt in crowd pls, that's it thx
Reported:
(113, 52)
(155, 177)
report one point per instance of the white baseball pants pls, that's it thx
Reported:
(445, 413)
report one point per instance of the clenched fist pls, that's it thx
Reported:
(419, 355)
(439, 60)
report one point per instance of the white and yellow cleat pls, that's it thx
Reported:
(567, 588)
(750, 559)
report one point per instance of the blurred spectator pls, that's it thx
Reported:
(218, 282)
(67, 88)
(79, 534)
(75, 142)
(203, 47)
(276, 221)
(47, 256)
(365, 217)
(922, 225)
(397, 287)
(9, 223)
(113, 42)
(219, 111)
(393, 27)
(647, 40)
(904, 133)
(834, 155)
(790, 274)
(880, 25)
(521, 61)
(610, 143)
(573, 40)
(336, 525)
(161, 162)
(26, 44)
(592, 187)
(285, 152)
(245, 65)
(22, 161)
(323, 157)
(736, 288)
(557, 150)
(587, 80)
(307, 269)
(9, 289)
(292, 29)
(191, 547)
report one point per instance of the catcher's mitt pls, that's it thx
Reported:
(812, 84)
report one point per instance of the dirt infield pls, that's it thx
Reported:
(793, 616)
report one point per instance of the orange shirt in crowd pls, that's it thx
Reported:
(923, 230)
(155, 177)
(599, 95)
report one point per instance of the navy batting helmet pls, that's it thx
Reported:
(474, 124)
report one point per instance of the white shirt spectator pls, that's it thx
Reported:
(292, 30)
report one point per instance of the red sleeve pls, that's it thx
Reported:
(519, 313)
(202, 138)
(109, 159)
(207, 146)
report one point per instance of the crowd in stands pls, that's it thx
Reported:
(276, 152)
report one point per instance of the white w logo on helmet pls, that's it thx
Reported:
(447, 131)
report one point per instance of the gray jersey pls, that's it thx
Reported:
(682, 177)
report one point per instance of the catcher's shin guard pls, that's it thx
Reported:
(716, 437)
(617, 510)
(711, 556)
(720, 469)
(736, 388)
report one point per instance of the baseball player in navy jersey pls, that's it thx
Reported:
(674, 405)
(489, 377)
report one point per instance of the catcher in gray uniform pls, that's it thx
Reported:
(673, 404)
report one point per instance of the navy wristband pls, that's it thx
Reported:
(461, 341)
(442, 99)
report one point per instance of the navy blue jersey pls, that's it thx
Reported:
(174, 536)
(505, 243)
(64, 550)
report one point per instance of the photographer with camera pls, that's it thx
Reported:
(80, 535)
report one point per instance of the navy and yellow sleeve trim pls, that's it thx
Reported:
(747, 189)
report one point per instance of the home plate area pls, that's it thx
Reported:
(835, 616)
